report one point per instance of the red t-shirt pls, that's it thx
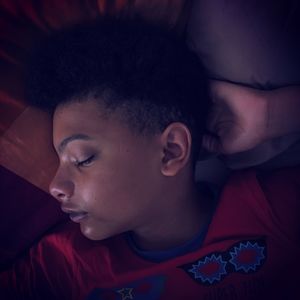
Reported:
(251, 251)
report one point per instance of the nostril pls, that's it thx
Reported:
(57, 194)
(60, 196)
(62, 190)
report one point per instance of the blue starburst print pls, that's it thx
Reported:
(252, 262)
(213, 262)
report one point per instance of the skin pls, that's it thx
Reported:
(244, 117)
(137, 183)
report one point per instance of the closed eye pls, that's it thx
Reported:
(86, 163)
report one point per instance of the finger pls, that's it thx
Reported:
(215, 119)
(220, 90)
(211, 143)
(213, 90)
(216, 90)
(211, 120)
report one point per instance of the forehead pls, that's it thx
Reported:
(104, 128)
(86, 117)
(77, 114)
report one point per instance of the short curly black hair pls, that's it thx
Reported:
(143, 69)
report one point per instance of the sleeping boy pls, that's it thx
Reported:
(130, 104)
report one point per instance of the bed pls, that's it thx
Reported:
(252, 43)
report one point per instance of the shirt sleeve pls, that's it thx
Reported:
(44, 273)
(282, 191)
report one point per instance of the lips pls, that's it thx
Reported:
(75, 216)
(78, 216)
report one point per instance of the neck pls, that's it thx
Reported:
(177, 220)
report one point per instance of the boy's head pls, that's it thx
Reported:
(129, 104)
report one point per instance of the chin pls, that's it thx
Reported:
(94, 234)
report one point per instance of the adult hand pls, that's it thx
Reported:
(238, 120)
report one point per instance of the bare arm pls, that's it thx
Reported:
(244, 117)
(284, 111)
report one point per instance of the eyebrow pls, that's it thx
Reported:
(61, 147)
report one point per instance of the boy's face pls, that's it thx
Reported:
(118, 186)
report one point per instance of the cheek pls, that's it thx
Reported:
(123, 183)
(117, 193)
(111, 191)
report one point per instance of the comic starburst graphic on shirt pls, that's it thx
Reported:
(210, 269)
(126, 293)
(247, 256)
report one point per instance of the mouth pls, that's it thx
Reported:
(78, 216)
(75, 216)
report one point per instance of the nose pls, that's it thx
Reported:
(61, 189)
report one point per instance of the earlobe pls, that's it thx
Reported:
(176, 140)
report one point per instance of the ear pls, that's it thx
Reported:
(177, 142)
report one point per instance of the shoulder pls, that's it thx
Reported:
(66, 260)
(270, 184)
(271, 198)
(289, 176)
(67, 241)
